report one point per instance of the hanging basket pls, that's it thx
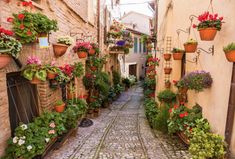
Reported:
(167, 57)
(60, 108)
(207, 34)
(230, 56)
(92, 52)
(35, 80)
(4, 60)
(190, 48)
(82, 54)
(51, 75)
(178, 55)
(59, 49)
(167, 70)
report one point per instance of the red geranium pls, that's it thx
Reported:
(176, 106)
(68, 70)
(6, 32)
(29, 33)
(21, 26)
(10, 19)
(181, 115)
(170, 110)
(21, 16)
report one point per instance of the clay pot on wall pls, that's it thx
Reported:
(92, 52)
(167, 70)
(167, 57)
(51, 75)
(59, 49)
(82, 54)
(207, 34)
(230, 56)
(35, 80)
(60, 108)
(4, 60)
(178, 55)
(190, 48)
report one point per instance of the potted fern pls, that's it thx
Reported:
(62, 45)
(230, 52)
(9, 47)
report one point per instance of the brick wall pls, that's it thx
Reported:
(72, 18)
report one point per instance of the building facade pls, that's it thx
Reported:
(217, 101)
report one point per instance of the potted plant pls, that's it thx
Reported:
(208, 25)
(230, 52)
(95, 63)
(95, 105)
(190, 46)
(166, 96)
(167, 70)
(62, 45)
(52, 71)
(59, 106)
(94, 50)
(167, 84)
(127, 83)
(78, 69)
(178, 54)
(82, 48)
(9, 47)
(34, 71)
(167, 56)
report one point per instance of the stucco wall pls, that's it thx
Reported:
(214, 101)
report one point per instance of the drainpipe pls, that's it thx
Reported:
(98, 22)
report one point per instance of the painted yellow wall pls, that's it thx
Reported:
(214, 101)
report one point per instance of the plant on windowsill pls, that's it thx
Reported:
(59, 106)
(208, 25)
(230, 52)
(34, 71)
(177, 53)
(82, 49)
(62, 45)
(190, 46)
(9, 47)
(167, 96)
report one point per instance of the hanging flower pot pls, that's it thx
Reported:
(230, 52)
(167, 57)
(59, 49)
(59, 106)
(167, 70)
(190, 46)
(92, 52)
(35, 80)
(82, 54)
(93, 68)
(178, 56)
(4, 60)
(207, 34)
(51, 75)
(208, 26)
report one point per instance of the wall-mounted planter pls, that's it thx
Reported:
(35, 80)
(207, 34)
(4, 60)
(51, 75)
(167, 57)
(230, 56)
(92, 52)
(82, 54)
(167, 70)
(59, 49)
(167, 85)
(178, 55)
(190, 48)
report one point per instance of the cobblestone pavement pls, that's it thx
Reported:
(121, 132)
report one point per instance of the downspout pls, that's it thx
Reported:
(98, 22)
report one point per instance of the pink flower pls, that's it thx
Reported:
(51, 132)
(10, 19)
(194, 25)
(52, 125)
(33, 60)
(53, 63)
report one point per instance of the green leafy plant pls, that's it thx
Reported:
(118, 88)
(78, 69)
(160, 120)
(166, 96)
(116, 78)
(151, 109)
(9, 45)
(229, 47)
(191, 41)
(96, 62)
(102, 84)
(51, 68)
(59, 102)
(88, 81)
(67, 40)
(95, 105)
(126, 82)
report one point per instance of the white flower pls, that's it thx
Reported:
(47, 139)
(24, 126)
(15, 139)
(21, 142)
(23, 137)
(29, 147)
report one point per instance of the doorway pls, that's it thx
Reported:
(133, 70)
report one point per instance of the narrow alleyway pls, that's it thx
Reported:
(121, 132)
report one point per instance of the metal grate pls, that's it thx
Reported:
(23, 100)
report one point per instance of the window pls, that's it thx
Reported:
(140, 46)
(135, 45)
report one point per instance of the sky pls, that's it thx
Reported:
(141, 8)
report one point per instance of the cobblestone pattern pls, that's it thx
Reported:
(122, 132)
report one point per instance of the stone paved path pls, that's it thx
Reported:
(121, 132)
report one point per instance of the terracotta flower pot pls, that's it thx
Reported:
(167, 57)
(230, 56)
(82, 54)
(60, 108)
(92, 52)
(51, 75)
(59, 49)
(178, 56)
(167, 70)
(92, 99)
(4, 60)
(190, 48)
(207, 34)
(183, 137)
(93, 68)
(35, 80)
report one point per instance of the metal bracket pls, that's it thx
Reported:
(195, 59)
(181, 30)
(211, 50)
